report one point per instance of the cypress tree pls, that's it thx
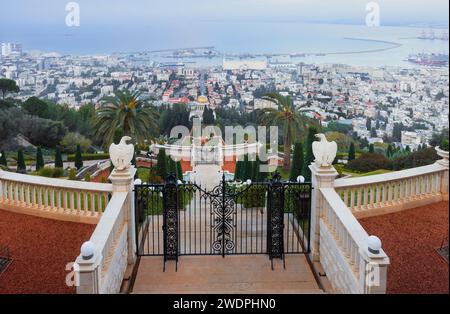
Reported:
(351, 152)
(368, 124)
(78, 158)
(39, 159)
(58, 159)
(161, 165)
(21, 167)
(297, 162)
(3, 160)
(179, 171)
(309, 153)
(373, 132)
(255, 169)
(172, 166)
(247, 171)
(389, 151)
(371, 148)
(238, 170)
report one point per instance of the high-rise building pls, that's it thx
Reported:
(8, 49)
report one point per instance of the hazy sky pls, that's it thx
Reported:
(18, 13)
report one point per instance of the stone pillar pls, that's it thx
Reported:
(123, 181)
(321, 177)
(87, 275)
(373, 272)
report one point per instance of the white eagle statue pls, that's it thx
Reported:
(324, 151)
(121, 154)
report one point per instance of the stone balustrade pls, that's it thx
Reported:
(113, 240)
(53, 198)
(389, 192)
(104, 272)
(344, 253)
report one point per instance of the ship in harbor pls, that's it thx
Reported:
(431, 35)
(429, 59)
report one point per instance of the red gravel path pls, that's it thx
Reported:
(41, 248)
(409, 238)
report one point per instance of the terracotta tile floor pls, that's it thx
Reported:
(234, 274)
(409, 238)
(41, 248)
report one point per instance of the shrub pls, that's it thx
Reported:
(444, 144)
(72, 174)
(418, 158)
(369, 162)
(254, 196)
(58, 172)
(45, 172)
(87, 177)
(50, 172)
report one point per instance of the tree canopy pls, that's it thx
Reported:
(8, 86)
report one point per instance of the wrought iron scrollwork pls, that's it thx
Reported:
(275, 221)
(170, 222)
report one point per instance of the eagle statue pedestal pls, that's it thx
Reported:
(323, 175)
(122, 179)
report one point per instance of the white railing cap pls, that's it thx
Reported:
(55, 183)
(390, 176)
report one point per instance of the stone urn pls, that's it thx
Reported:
(444, 154)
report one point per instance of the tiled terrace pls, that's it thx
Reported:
(410, 238)
(40, 249)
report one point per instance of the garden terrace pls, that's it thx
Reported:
(40, 249)
(411, 238)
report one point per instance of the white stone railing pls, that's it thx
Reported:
(349, 265)
(53, 198)
(104, 272)
(112, 243)
(389, 192)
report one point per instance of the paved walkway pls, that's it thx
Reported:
(207, 176)
(214, 274)
(230, 275)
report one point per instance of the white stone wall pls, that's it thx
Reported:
(336, 266)
(111, 276)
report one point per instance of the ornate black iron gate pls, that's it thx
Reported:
(178, 218)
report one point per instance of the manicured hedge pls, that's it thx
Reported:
(50, 172)
(369, 162)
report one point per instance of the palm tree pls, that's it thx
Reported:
(125, 111)
(292, 121)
